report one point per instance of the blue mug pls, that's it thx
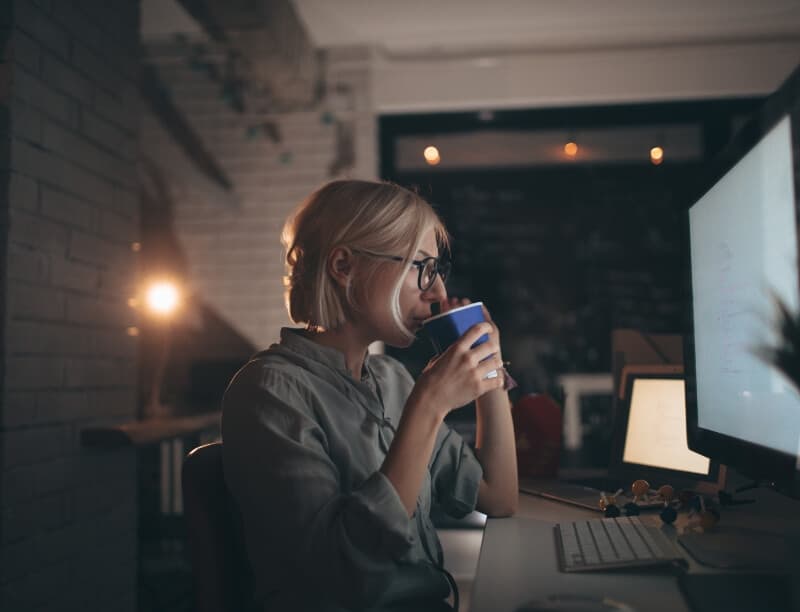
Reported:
(445, 328)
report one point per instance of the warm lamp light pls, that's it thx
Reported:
(571, 149)
(163, 298)
(431, 155)
(656, 155)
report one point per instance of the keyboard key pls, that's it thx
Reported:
(602, 542)
(588, 548)
(624, 550)
(640, 548)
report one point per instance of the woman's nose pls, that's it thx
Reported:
(437, 291)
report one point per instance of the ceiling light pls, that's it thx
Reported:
(431, 155)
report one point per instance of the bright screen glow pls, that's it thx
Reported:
(656, 434)
(743, 250)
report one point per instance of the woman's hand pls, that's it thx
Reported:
(458, 376)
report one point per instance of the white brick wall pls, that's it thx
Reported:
(68, 522)
(231, 240)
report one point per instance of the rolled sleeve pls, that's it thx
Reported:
(380, 503)
(456, 474)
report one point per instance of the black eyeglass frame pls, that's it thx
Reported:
(442, 268)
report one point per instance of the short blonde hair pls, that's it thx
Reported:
(377, 217)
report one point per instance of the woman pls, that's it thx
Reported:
(334, 456)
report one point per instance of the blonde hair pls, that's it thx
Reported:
(377, 217)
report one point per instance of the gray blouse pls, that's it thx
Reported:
(303, 446)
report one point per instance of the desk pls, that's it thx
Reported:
(518, 560)
(576, 385)
(169, 434)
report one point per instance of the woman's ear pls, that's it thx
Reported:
(340, 265)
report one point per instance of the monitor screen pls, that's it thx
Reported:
(743, 252)
(658, 406)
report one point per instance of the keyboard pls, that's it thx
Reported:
(613, 543)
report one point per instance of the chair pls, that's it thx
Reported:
(221, 573)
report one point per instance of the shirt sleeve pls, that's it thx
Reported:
(297, 520)
(455, 474)
(455, 471)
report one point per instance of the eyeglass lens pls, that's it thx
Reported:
(429, 271)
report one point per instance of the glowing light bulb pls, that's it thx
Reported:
(431, 155)
(571, 149)
(656, 155)
(163, 297)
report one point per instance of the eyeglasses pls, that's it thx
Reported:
(428, 267)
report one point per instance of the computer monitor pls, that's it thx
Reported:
(650, 432)
(743, 250)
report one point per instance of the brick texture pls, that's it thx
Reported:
(231, 240)
(70, 211)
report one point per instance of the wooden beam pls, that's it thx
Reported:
(173, 121)
(201, 13)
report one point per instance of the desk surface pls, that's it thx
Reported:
(518, 561)
(149, 431)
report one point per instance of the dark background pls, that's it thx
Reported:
(563, 254)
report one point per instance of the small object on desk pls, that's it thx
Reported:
(632, 509)
(608, 503)
(702, 515)
(666, 492)
(668, 514)
(608, 500)
(612, 511)
(578, 495)
(639, 488)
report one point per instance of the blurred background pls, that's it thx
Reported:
(152, 149)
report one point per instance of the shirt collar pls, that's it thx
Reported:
(299, 341)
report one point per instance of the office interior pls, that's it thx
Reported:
(152, 150)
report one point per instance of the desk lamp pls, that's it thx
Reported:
(163, 300)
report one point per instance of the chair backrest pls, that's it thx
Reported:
(222, 576)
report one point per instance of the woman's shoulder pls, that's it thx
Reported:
(267, 389)
(271, 373)
(273, 367)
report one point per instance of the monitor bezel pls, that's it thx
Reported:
(656, 476)
(765, 465)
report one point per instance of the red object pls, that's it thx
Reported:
(537, 431)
